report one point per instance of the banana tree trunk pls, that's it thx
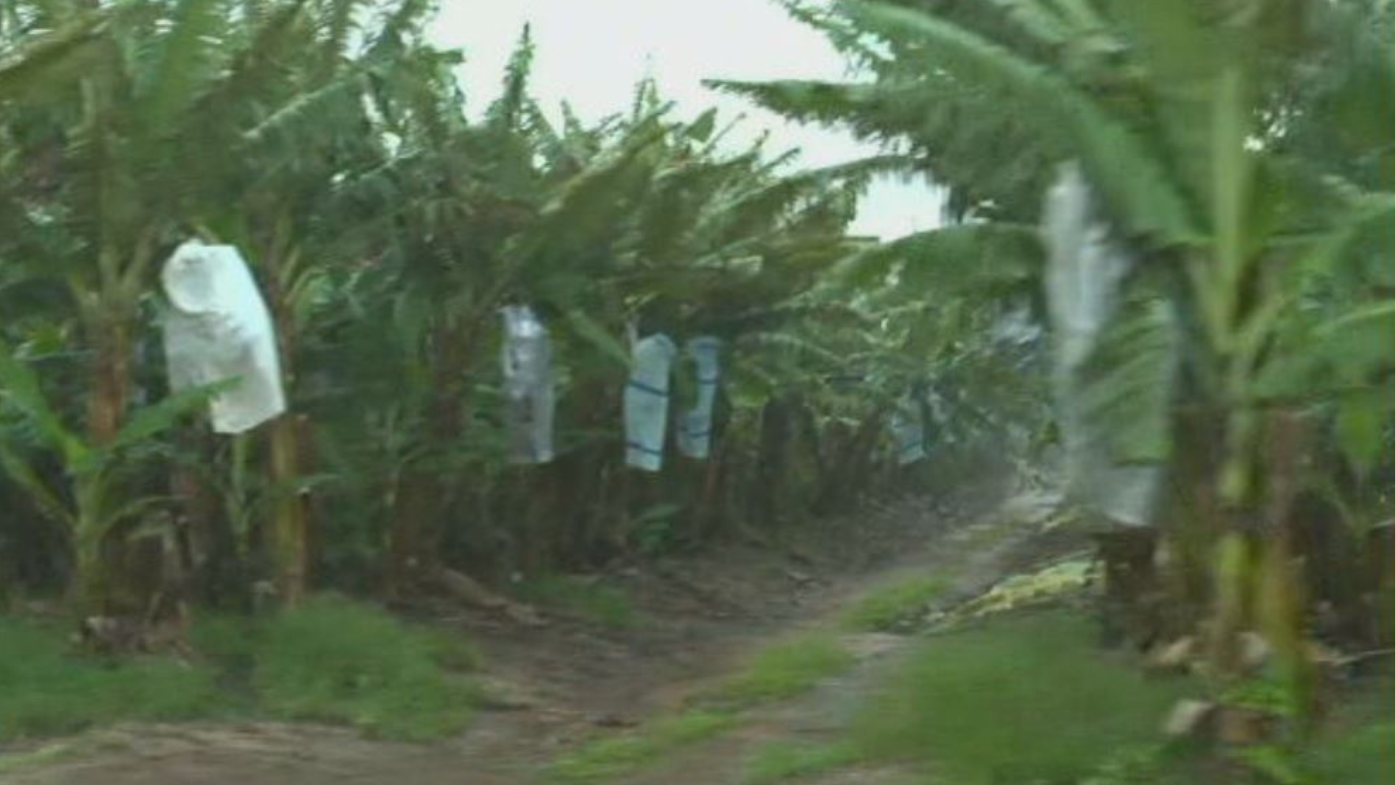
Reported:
(420, 496)
(110, 375)
(290, 519)
(108, 332)
(413, 503)
(289, 551)
(91, 588)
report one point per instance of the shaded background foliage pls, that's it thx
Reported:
(329, 142)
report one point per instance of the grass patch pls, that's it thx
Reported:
(779, 671)
(1358, 749)
(1360, 757)
(786, 668)
(586, 600)
(1025, 699)
(786, 760)
(981, 536)
(885, 607)
(330, 660)
(47, 755)
(614, 756)
(47, 689)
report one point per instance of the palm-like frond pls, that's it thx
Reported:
(951, 261)
(50, 62)
(1130, 174)
(184, 59)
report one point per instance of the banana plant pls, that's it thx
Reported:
(1228, 168)
(94, 501)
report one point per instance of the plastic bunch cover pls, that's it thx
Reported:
(909, 431)
(695, 426)
(647, 401)
(1085, 269)
(219, 329)
(528, 385)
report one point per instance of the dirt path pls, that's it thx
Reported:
(556, 685)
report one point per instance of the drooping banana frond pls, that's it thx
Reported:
(995, 164)
(592, 201)
(1131, 175)
(950, 261)
(306, 112)
(50, 62)
(679, 195)
(185, 59)
(737, 214)
(508, 110)
(1127, 387)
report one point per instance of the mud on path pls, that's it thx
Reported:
(552, 686)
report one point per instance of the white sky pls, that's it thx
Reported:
(593, 52)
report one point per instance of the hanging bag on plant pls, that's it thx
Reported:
(695, 426)
(647, 402)
(1086, 269)
(218, 328)
(528, 386)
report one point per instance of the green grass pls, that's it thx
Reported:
(779, 671)
(1024, 699)
(330, 660)
(590, 601)
(46, 689)
(1358, 748)
(883, 608)
(47, 755)
(1360, 757)
(335, 661)
(785, 669)
(614, 756)
(785, 760)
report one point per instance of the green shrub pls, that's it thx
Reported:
(1023, 700)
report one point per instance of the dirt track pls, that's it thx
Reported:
(567, 680)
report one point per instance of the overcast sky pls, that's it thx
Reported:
(592, 53)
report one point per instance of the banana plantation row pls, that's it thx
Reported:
(327, 144)
(1193, 198)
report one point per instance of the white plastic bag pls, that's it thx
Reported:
(647, 402)
(695, 426)
(1085, 270)
(528, 386)
(218, 329)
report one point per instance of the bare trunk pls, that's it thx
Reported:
(90, 589)
(212, 552)
(420, 494)
(413, 503)
(289, 552)
(290, 515)
(110, 377)
(109, 387)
